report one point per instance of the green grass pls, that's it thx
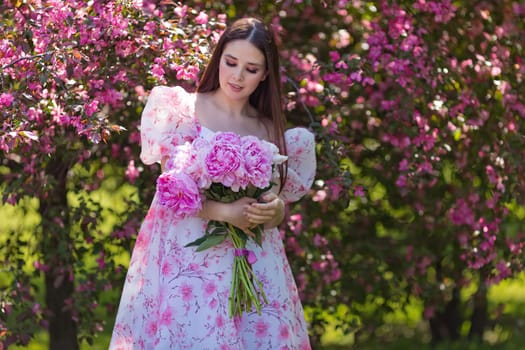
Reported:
(405, 330)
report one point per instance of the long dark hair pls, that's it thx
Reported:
(266, 98)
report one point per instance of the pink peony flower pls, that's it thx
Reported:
(224, 160)
(179, 192)
(197, 167)
(257, 161)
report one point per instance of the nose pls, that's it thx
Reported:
(238, 74)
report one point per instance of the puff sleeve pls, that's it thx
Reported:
(167, 121)
(300, 144)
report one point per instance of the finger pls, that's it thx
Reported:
(264, 206)
(260, 219)
(269, 210)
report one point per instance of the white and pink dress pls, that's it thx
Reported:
(176, 298)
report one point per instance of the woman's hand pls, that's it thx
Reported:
(233, 213)
(270, 211)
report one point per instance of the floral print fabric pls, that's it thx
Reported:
(176, 298)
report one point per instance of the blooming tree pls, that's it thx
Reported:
(417, 106)
(74, 78)
(423, 102)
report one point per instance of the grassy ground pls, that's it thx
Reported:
(406, 330)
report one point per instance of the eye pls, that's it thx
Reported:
(230, 63)
(252, 70)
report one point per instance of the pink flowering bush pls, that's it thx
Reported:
(424, 114)
(418, 110)
(74, 76)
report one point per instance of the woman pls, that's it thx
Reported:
(175, 297)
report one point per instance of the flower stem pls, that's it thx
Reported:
(246, 290)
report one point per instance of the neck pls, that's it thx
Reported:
(234, 108)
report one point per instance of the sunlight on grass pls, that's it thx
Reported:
(40, 342)
(403, 328)
(511, 292)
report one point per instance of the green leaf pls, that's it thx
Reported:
(258, 234)
(217, 231)
(197, 242)
(211, 241)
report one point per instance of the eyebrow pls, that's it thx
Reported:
(250, 63)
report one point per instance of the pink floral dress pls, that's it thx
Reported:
(176, 298)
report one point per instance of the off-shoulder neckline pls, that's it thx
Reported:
(193, 96)
(213, 132)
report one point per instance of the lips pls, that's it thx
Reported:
(235, 87)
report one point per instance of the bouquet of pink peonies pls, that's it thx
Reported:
(224, 169)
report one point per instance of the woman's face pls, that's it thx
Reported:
(241, 69)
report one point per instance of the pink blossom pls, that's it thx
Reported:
(150, 27)
(404, 165)
(39, 266)
(202, 18)
(158, 71)
(334, 56)
(428, 313)
(319, 196)
(186, 292)
(210, 288)
(461, 213)
(101, 261)
(224, 160)
(178, 192)
(181, 11)
(132, 173)
(261, 329)
(257, 157)
(167, 317)
(284, 332)
(151, 328)
(409, 252)
(166, 268)
(335, 274)
(335, 189)
(6, 99)
(519, 9)
(359, 191)
(91, 107)
(219, 321)
(320, 241)
(195, 162)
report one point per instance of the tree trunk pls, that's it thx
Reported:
(479, 318)
(62, 328)
(446, 324)
(56, 248)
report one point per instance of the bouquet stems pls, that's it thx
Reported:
(246, 289)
